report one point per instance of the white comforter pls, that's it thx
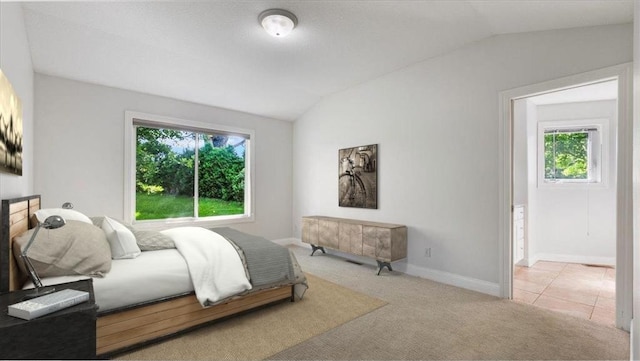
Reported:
(214, 264)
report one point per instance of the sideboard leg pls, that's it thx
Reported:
(382, 265)
(314, 248)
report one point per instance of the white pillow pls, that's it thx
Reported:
(67, 214)
(121, 239)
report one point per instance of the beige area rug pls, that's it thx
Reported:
(265, 332)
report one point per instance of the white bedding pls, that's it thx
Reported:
(214, 264)
(159, 274)
(152, 275)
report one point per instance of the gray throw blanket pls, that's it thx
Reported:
(267, 262)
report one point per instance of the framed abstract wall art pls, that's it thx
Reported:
(10, 128)
(358, 177)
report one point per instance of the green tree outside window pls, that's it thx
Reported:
(167, 162)
(566, 155)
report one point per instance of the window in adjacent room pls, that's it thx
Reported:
(571, 154)
(186, 171)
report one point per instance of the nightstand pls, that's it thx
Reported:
(66, 334)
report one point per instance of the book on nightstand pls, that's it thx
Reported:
(47, 304)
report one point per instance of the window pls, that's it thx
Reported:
(187, 172)
(570, 154)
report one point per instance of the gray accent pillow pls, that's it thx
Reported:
(78, 248)
(152, 240)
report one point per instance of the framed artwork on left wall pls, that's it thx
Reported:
(10, 128)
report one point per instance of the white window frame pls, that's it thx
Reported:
(169, 122)
(598, 157)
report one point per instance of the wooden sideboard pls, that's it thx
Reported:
(383, 242)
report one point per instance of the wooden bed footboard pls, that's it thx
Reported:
(121, 330)
(124, 329)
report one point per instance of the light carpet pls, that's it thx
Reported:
(426, 320)
(265, 332)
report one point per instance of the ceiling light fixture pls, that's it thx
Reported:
(277, 22)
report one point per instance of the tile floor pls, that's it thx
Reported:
(580, 290)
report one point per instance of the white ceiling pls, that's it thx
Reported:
(216, 53)
(607, 90)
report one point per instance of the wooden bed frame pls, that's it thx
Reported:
(123, 329)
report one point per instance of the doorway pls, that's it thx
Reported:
(564, 197)
(552, 237)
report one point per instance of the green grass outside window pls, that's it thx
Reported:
(159, 206)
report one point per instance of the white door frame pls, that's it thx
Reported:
(624, 205)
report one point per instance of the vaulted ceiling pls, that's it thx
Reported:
(216, 52)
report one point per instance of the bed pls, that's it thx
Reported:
(163, 310)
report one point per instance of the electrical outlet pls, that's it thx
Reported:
(427, 252)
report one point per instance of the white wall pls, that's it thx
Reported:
(532, 207)
(635, 326)
(524, 148)
(575, 223)
(520, 162)
(79, 153)
(15, 62)
(436, 124)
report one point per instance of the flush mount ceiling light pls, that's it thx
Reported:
(277, 22)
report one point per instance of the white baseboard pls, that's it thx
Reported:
(568, 258)
(528, 262)
(452, 279)
(287, 241)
